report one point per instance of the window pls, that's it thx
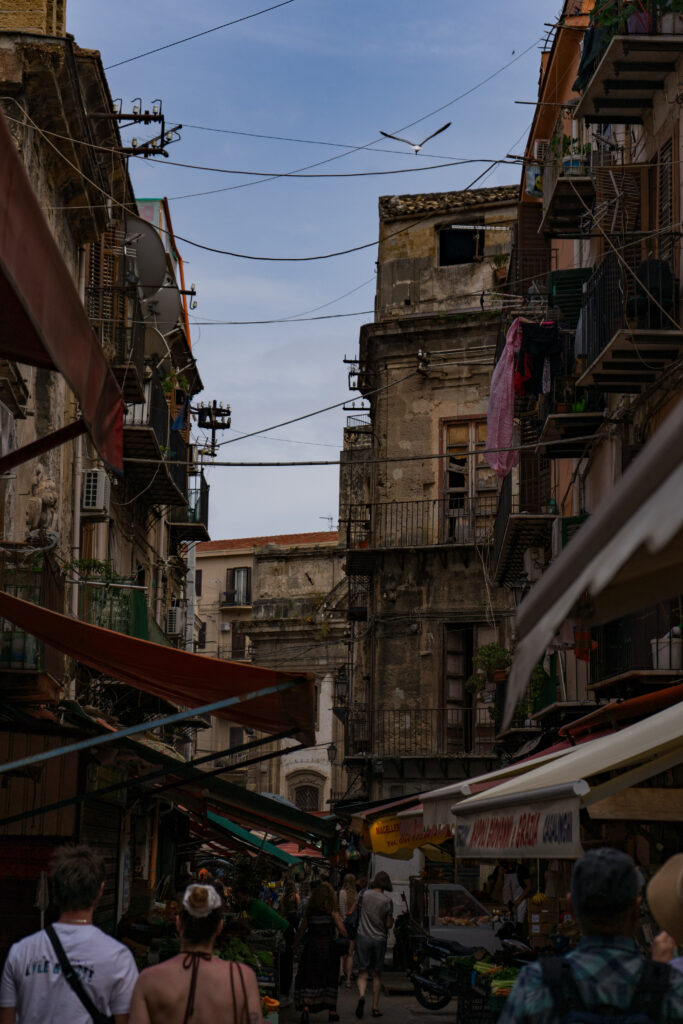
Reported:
(460, 245)
(236, 736)
(239, 646)
(198, 582)
(470, 485)
(307, 798)
(238, 586)
(201, 637)
(458, 703)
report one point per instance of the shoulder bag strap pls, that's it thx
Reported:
(652, 988)
(244, 994)
(557, 977)
(73, 979)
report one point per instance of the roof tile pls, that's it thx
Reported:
(444, 202)
(281, 540)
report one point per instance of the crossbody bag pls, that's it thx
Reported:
(74, 981)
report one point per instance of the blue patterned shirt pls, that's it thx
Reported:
(606, 969)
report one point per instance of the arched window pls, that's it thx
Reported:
(307, 798)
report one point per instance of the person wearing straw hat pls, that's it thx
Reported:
(195, 987)
(605, 978)
(665, 899)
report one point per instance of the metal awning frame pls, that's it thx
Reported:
(134, 730)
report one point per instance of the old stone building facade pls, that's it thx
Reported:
(279, 601)
(418, 499)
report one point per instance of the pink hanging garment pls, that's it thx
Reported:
(501, 410)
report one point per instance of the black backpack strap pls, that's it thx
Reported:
(651, 990)
(73, 979)
(557, 978)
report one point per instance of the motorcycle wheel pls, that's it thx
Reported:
(430, 1000)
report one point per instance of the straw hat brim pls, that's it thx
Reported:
(665, 897)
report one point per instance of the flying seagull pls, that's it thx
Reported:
(417, 146)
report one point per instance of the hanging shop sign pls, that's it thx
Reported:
(399, 837)
(548, 830)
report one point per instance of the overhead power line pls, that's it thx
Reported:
(340, 174)
(197, 35)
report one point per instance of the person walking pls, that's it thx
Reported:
(36, 986)
(376, 920)
(317, 978)
(289, 909)
(347, 901)
(605, 976)
(195, 986)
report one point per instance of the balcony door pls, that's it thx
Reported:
(457, 702)
(470, 485)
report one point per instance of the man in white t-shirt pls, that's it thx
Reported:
(33, 990)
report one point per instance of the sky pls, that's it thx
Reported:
(318, 71)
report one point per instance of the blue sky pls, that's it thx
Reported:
(331, 71)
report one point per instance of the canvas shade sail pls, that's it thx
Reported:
(44, 322)
(627, 555)
(507, 819)
(178, 676)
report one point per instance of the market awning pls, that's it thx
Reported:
(437, 803)
(399, 837)
(537, 814)
(44, 322)
(192, 680)
(627, 555)
(250, 840)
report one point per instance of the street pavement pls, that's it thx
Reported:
(399, 1007)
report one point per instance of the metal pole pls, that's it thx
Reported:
(158, 723)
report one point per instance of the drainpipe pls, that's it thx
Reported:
(190, 595)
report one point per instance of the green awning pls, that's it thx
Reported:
(250, 839)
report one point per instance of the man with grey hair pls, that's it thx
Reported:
(72, 971)
(605, 977)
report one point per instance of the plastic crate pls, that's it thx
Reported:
(477, 1008)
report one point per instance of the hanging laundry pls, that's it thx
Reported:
(546, 381)
(501, 410)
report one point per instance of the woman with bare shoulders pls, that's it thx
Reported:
(195, 987)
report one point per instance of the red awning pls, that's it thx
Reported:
(188, 679)
(43, 319)
(623, 711)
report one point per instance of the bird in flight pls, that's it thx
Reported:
(417, 146)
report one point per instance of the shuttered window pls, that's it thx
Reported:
(238, 586)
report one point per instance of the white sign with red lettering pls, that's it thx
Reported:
(544, 830)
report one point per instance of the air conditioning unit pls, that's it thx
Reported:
(175, 621)
(542, 150)
(95, 493)
(225, 627)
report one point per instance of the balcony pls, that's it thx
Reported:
(146, 433)
(419, 732)
(626, 339)
(627, 61)
(127, 360)
(30, 671)
(119, 607)
(568, 191)
(13, 388)
(454, 521)
(573, 417)
(191, 522)
(639, 652)
(524, 520)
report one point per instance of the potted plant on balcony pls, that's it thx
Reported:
(500, 267)
(572, 153)
(490, 664)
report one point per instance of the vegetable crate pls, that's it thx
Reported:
(477, 1008)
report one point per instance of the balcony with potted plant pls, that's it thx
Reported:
(568, 186)
(629, 50)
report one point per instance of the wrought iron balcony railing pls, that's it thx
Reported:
(420, 732)
(457, 519)
(35, 578)
(651, 639)
(153, 412)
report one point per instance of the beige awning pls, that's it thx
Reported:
(538, 811)
(627, 555)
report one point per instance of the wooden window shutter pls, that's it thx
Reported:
(239, 643)
(247, 587)
(198, 582)
(230, 586)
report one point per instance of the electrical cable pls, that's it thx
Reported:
(378, 461)
(164, 162)
(197, 35)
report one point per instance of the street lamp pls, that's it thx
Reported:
(332, 753)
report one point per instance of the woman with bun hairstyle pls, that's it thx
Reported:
(195, 987)
(317, 979)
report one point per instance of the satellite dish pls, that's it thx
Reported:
(164, 308)
(156, 346)
(150, 255)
